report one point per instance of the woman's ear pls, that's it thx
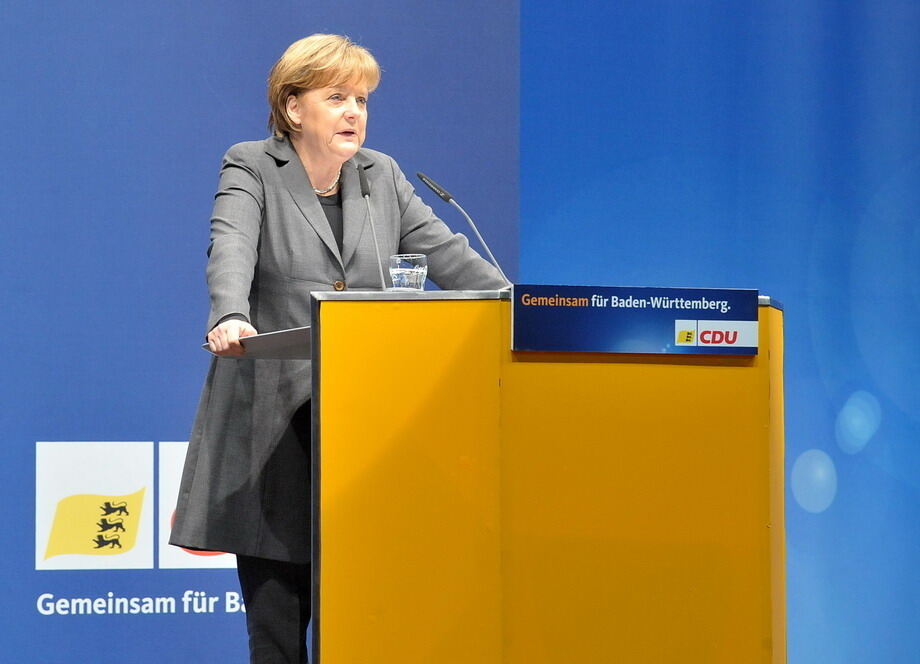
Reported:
(292, 108)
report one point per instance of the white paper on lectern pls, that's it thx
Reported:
(293, 344)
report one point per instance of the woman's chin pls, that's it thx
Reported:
(347, 152)
(346, 148)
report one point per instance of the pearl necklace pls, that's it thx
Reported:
(320, 192)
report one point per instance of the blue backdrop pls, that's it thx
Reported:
(745, 144)
(114, 120)
(771, 145)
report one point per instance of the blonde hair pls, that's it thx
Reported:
(317, 61)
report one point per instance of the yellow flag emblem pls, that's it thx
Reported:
(96, 525)
(685, 337)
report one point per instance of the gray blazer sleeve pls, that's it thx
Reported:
(235, 227)
(452, 263)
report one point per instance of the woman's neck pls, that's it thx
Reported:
(321, 173)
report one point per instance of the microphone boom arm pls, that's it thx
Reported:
(366, 195)
(445, 196)
(481, 241)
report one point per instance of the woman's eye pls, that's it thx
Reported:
(362, 101)
(335, 97)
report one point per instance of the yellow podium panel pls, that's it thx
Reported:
(479, 505)
(409, 489)
(636, 504)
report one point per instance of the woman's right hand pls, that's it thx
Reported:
(224, 339)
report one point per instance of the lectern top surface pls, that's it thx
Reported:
(504, 294)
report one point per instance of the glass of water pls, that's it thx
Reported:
(408, 271)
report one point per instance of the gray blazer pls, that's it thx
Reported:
(246, 484)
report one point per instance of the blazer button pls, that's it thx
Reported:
(339, 285)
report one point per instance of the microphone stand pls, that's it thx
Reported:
(366, 195)
(447, 198)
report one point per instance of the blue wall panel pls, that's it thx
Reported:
(113, 120)
(761, 145)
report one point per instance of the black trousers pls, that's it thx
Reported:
(277, 598)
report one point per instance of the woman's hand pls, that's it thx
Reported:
(225, 338)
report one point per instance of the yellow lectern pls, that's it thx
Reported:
(478, 506)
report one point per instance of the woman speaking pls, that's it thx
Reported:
(289, 219)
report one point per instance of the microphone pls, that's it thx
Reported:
(435, 187)
(447, 198)
(366, 194)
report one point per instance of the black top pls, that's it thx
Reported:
(332, 206)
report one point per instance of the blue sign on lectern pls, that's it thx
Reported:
(604, 319)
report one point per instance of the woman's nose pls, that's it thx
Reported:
(352, 109)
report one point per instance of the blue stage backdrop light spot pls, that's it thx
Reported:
(814, 481)
(858, 421)
(884, 301)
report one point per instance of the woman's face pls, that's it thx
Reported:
(333, 120)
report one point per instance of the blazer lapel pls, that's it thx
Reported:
(354, 209)
(295, 180)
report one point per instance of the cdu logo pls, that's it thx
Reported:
(91, 507)
(740, 333)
